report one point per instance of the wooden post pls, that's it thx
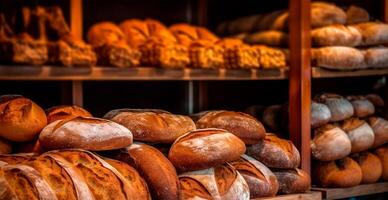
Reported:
(385, 11)
(77, 93)
(300, 79)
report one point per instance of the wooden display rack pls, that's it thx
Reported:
(305, 196)
(360, 190)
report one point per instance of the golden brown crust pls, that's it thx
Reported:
(65, 112)
(355, 15)
(340, 58)
(20, 119)
(380, 130)
(382, 153)
(204, 148)
(17, 158)
(244, 126)
(191, 189)
(205, 54)
(323, 14)
(135, 31)
(104, 33)
(292, 180)
(185, 33)
(373, 33)
(371, 166)
(336, 35)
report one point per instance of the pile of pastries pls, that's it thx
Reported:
(65, 153)
(342, 38)
(45, 38)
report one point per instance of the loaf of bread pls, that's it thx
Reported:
(154, 167)
(324, 14)
(222, 182)
(339, 58)
(270, 57)
(340, 108)
(382, 153)
(16, 158)
(360, 134)
(340, 173)
(244, 126)
(275, 152)
(362, 106)
(5, 146)
(155, 126)
(355, 15)
(373, 33)
(65, 112)
(104, 33)
(271, 38)
(292, 180)
(371, 166)
(380, 130)
(186, 34)
(330, 143)
(239, 55)
(377, 102)
(205, 148)
(376, 57)
(20, 118)
(85, 133)
(336, 35)
(320, 114)
(261, 181)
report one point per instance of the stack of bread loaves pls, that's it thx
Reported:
(348, 140)
(335, 34)
(204, 163)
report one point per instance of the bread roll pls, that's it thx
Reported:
(205, 148)
(275, 152)
(135, 31)
(380, 130)
(330, 143)
(272, 117)
(65, 112)
(205, 54)
(156, 170)
(261, 181)
(362, 106)
(360, 134)
(373, 33)
(340, 173)
(270, 57)
(222, 182)
(186, 34)
(323, 14)
(244, 126)
(239, 55)
(355, 15)
(371, 166)
(340, 108)
(339, 58)
(336, 35)
(382, 153)
(271, 38)
(320, 114)
(104, 33)
(20, 118)
(376, 57)
(5, 146)
(152, 125)
(85, 133)
(292, 181)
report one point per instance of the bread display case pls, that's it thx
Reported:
(193, 99)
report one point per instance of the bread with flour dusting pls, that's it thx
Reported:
(362, 106)
(222, 182)
(85, 133)
(205, 148)
(340, 108)
(320, 114)
(292, 180)
(360, 134)
(380, 130)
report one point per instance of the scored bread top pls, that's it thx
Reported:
(104, 33)
(65, 112)
(17, 158)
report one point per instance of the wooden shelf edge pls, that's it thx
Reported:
(137, 73)
(303, 196)
(318, 72)
(360, 190)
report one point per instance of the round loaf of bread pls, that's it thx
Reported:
(244, 126)
(380, 130)
(340, 108)
(330, 143)
(360, 134)
(339, 58)
(292, 180)
(320, 114)
(376, 57)
(205, 148)
(382, 153)
(85, 133)
(20, 118)
(104, 33)
(323, 14)
(371, 166)
(5, 146)
(355, 15)
(261, 181)
(373, 33)
(340, 173)
(222, 182)
(155, 126)
(275, 152)
(270, 38)
(377, 102)
(154, 167)
(65, 112)
(336, 35)
(362, 106)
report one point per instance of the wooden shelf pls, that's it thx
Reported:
(318, 72)
(305, 196)
(360, 190)
(138, 73)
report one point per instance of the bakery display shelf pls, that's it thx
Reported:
(318, 72)
(303, 196)
(137, 73)
(360, 190)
